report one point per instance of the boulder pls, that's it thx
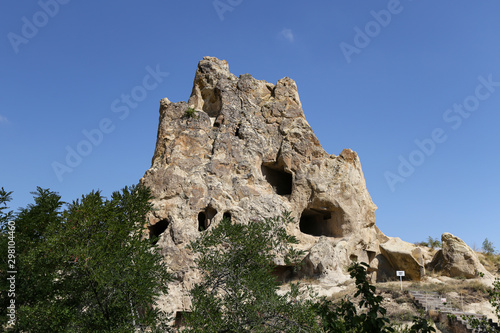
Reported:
(403, 256)
(457, 259)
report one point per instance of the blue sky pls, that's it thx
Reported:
(412, 86)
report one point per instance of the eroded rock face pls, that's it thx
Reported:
(403, 256)
(249, 153)
(457, 259)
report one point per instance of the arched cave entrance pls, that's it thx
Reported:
(318, 222)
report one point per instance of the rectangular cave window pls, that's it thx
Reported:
(280, 180)
(317, 222)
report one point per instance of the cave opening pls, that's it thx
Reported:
(205, 218)
(318, 222)
(280, 180)
(157, 229)
(202, 218)
(227, 216)
(180, 319)
(285, 273)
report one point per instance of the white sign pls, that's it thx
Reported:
(400, 273)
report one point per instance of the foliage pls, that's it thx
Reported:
(4, 199)
(345, 317)
(238, 292)
(421, 325)
(494, 298)
(190, 113)
(369, 316)
(87, 268)
(431, 242)
(488, 247)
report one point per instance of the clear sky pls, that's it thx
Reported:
(412, 86)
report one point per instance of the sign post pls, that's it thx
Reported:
(400, 274)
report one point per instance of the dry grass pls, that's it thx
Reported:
(458, 285)
(490, 261)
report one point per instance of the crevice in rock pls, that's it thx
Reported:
(237, 132)
(158, 228)
(318, 222)
(205, 218)
(280, 180)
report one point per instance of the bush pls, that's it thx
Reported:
(190, 113)
(86, 268)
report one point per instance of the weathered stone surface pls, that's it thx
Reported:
(404, 256)
(249, 153)
(456, 259)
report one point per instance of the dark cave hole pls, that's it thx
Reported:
(317, 222)
(227, 216)
(158, 228)
(205, 218)
(280, 180)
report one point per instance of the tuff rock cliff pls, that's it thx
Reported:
(249, 153)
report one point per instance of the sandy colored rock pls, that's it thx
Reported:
(249, 153)
(457, 259)
(404, 256)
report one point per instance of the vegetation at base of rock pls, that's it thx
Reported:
(238, 292)
(190, 113)
(85, 268)
(88, 268)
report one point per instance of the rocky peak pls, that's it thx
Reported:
(249, 153)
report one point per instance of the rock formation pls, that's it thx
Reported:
(404, 256)
(241, 148)
(456, 259)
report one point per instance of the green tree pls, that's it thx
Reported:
(238, 292)
(488, 247)
(87, 268)
(5, 197)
